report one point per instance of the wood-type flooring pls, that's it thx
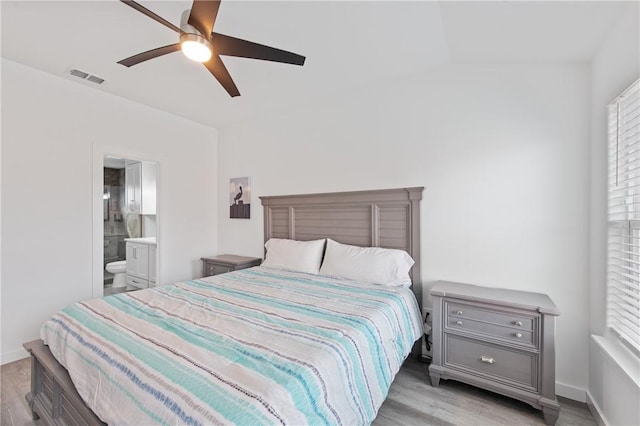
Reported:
(411, 401)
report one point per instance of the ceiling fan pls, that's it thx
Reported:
(199, 43)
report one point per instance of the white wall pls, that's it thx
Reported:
(615, 66)
(52, 129)
(503, 153)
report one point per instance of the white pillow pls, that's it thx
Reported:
(292, 255)
(370, 264)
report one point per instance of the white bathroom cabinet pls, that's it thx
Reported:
(140, 188)
(138, 260)
(141, 264)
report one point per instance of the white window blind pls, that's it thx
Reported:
(623, 251)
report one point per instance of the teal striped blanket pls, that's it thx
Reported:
(251, 347)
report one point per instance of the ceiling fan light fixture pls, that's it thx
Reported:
(195, 47)
(197, 37)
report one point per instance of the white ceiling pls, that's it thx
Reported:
(348, 45)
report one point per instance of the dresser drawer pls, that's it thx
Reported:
(213, 269)
(492, 362)
(491, 315)
(515, 335)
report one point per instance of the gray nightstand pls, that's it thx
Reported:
(216, 265)
(497, 339)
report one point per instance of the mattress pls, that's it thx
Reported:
(256, 346)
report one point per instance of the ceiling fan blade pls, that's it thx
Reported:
(231, 46)
(150, 14)
(203, 15)
(149, 54)
(219, 71)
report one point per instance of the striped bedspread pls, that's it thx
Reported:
(251, 347)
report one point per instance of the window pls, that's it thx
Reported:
(623, 249)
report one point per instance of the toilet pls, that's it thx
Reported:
(118, 269)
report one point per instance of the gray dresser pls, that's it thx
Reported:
(497, 339)
(223, 263)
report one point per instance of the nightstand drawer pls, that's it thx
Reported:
(494, 363)
(216, 265)
(213, 269)
(514, 335)
(490, 315)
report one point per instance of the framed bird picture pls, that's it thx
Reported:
(239, 198)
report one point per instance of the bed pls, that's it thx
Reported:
(257, 346)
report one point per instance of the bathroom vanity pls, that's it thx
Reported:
(141, 262)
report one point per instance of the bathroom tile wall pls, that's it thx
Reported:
(115, 230)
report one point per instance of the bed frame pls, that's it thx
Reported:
(382, 218)
(53, 397)
(388, 218)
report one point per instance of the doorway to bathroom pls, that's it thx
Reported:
(129, 210)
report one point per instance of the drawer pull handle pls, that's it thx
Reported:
(458, 312)
(487, 360)
(459, 322)
(518, 323)
(518, 335)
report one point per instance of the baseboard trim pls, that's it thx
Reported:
(596, 412)
(571, 392)
(12, 356)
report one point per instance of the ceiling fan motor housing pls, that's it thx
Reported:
(196, 44)
(184, 23)
(190, 33)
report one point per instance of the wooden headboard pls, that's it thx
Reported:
(388, 218)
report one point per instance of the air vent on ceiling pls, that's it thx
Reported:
(94, 79)
(86, 76)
